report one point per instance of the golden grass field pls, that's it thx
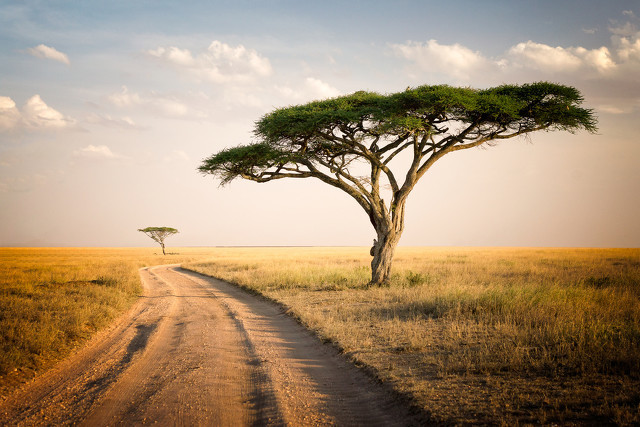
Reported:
(53, 299)
(470, 335)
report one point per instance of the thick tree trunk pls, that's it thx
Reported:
(383, 249)
(162, 244)
(389, 227)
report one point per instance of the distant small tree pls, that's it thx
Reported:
(158, 234)
(351, 143)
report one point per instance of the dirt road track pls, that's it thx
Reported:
(198, 351)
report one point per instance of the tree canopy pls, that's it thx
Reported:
(159, 234)
(331, 139)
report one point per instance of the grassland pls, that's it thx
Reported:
(53, 299)
(489, 336)
(474, 335)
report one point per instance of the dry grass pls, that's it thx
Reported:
(497, 336)
(53, 299)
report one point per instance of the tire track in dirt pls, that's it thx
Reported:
(198, 351)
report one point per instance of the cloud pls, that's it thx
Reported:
(606, 75)
(611, 109)
(454, 59)
(628, 48)
(220, 63)
(47, 52)
(310, 90)
(558, 59)
(9, 115)
(124, 98)
(457, 62)
(96, 152)
(166, 105)
(35, 114)
(112, 122)
(320, 88)
(39, 115)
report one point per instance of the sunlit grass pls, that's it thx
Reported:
(53, 299)
(473, 335)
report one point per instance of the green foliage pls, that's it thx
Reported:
(234, 162)
(315, 132)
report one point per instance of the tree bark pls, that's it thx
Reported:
(383, 250)
(389, 226)
(162, 244)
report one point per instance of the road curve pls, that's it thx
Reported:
(198, 351)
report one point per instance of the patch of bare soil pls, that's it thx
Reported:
(198, 351)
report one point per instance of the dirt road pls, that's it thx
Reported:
(198, 351)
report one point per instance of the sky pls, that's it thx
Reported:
(108, 108)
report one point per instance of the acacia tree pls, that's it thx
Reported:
(333, 140)
(159, 234)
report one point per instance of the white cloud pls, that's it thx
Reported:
(9, 115)
(174, 55)
(600, 59)
(220, 63)
(96, 152)
(310, 90)
(558, 59)
(320, 89)
(39, 115)
(607, 75)
(47, 52)
(454, 59)
(35, 114)
(628, 48)
(124, 98)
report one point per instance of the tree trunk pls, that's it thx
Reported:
(162, 244)
(382, 251)
(389, 228)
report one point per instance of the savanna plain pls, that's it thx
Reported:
(464, 335)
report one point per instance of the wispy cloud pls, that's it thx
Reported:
(97, 152)
(220, 63)
(22, 184)
(112, 122)
(166, 105)
(47, 52)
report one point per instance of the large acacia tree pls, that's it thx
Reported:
(356, 142)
